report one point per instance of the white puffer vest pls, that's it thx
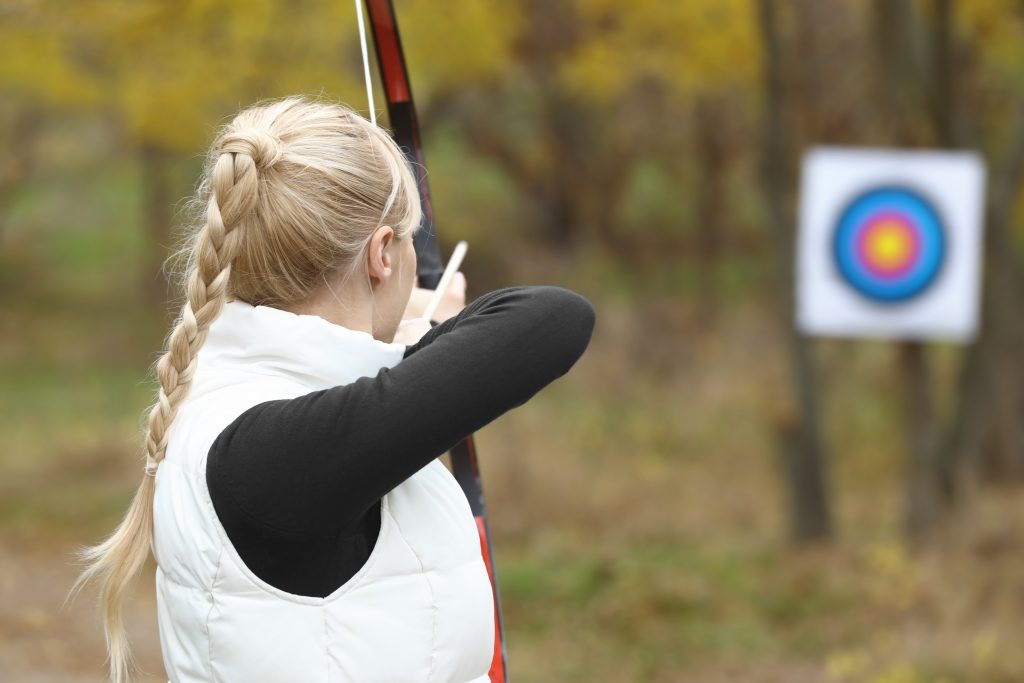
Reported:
(420, 609)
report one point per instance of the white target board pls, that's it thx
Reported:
(889, 244)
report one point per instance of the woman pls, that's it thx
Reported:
(302, 525)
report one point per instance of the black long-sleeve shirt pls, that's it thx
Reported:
(297, 483)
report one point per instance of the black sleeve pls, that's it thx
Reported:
(315, 465)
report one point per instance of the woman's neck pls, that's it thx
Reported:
(347, 305)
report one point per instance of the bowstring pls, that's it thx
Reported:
(366, 61)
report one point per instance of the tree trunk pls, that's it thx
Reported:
(900, 69)
(922, 495)
(710, 145)
(19, 151)
(800, 439)
(158, 218)
(1003, 405)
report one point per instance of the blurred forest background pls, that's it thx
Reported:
(707, 496)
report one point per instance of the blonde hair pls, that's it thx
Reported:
(293, 189)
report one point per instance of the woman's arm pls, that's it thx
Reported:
(312, 466)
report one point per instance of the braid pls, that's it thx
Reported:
(234, 193)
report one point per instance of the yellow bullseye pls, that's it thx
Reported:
(889, 245)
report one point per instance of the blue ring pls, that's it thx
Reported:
(923, 218)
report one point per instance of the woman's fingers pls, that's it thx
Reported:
(454, 300)
(411, 331)
(459, 285)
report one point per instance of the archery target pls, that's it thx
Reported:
(889, 244)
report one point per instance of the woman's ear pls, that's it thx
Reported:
(379, 262)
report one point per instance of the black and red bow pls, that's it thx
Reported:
(405, 129)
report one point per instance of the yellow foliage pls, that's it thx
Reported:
(37, 63)
(465, 41)
(178, 66)
(688, 47)
(895, 579)
(847, 665)
(996, 28)
(902, 672)
(984, 650)
(170, 70)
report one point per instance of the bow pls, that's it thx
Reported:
(406, 132)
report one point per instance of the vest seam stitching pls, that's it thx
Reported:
(209, 613)
(327, 642)
(425, 573)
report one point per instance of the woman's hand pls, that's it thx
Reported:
(411, 331)
(453, 301)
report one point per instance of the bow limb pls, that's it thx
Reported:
(406, 131)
